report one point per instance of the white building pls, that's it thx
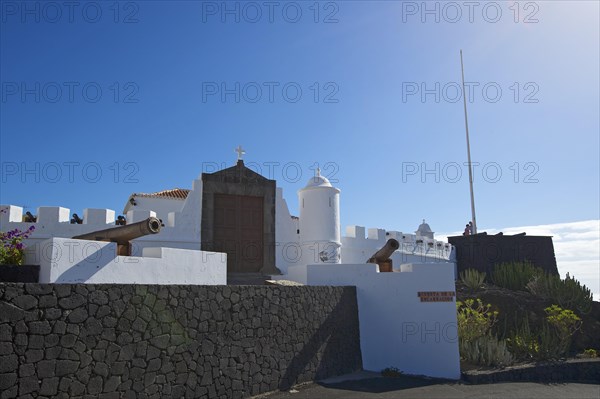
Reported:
(161, 203)
(312, 238)
(235, 218)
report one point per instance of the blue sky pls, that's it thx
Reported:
(108, 98)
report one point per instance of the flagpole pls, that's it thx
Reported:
(462, 70)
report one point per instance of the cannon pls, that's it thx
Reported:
(382, 257)
(124, 234)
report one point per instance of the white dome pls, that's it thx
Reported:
(424, 229)
(318, 181)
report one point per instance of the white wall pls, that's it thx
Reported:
(396, 328)
(319, 223)
(287, 246)
(181, 230)
(53, 222)
(161, 206)
(356, 248)
(69, 261)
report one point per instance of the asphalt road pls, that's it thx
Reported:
(370, 385)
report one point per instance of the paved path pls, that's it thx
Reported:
(370, 385)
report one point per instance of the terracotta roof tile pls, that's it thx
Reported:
(176, 193)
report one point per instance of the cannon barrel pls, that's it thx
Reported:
(122, 235)
(385, 252)
(382, 257)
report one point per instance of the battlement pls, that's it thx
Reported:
(410, 244)
(54, 215)
(55, 222)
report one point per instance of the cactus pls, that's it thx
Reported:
(515, 275)
(567, 293)
(486, 351)
(472, 279)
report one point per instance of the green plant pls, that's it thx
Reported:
(476, 344)
(567, 293)
(551, 340)
(565, 322)
(391, 372)
(515, 275)
(11, 246)
(589, 354)
(541, 344)
(472, 279)
(523, 343)
(486, 351)
(474, 319)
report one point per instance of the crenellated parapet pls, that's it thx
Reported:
(356, 245)
(181, 230)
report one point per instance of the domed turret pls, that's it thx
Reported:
(318, 181)
(424, 230)
(319, 222)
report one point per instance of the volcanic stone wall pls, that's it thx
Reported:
(482, 252)
(126, 341)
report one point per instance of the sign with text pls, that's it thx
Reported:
(436, 296)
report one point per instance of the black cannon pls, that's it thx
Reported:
(124, 234)
(382, 257)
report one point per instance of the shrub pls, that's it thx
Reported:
(474, 319)
(589, 354)
(486, 351)
(476, 344)
(542, 344)
(523, 344)
(565, 323)
(567, 293)
(472, 279)
(515, 275)
(11, 246)
(551, 341)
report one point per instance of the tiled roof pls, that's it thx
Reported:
(175, 193)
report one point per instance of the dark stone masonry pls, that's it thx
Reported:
(126, 341)
(483, 252)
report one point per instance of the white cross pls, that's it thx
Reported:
(240, 151)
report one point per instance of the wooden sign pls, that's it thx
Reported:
(436, 296)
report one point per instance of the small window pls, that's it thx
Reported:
(330, 202)
(302, 202)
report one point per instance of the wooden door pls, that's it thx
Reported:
(238, 231)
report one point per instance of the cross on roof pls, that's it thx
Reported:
(240, 151)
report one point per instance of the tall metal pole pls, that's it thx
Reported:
(468, 147)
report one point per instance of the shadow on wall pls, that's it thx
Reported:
(329, 363)
(84, 270)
